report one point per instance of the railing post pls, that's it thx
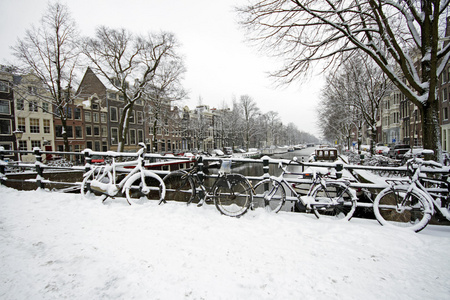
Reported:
(339, 168)
(87, 159)
(2, 164)
(266, 166)
(200, 169)
(39, 169)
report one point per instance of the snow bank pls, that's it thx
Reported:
(55, 246)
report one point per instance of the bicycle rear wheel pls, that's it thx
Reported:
(337, 199)
(138, 193)
(90, 193)
(269, 194)
(233, 195)
(179, 187)
(395, 206)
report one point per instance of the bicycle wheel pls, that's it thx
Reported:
(233, 195)
(337, 201)
(138, 193)
(395, 206)
(179, 187)
(269, 194)
(90, 193)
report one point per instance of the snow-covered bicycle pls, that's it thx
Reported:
(326, 196)
(411, 202)
(138, 184)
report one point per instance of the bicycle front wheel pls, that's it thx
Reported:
(395, 206)
(179, 187)
(139, 192)
(269, 194)
(233, 195)
(334, 201)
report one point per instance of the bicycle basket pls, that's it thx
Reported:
(225, 167)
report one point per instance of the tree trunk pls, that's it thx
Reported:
(431, 131)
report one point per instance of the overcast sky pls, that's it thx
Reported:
(220, 64)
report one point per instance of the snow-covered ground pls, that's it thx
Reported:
(55, 246)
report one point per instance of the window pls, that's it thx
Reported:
(112, 96)
(104, 131)
(95, 106)
(46, 126)
(103, 117)
(78, 132)
(35, 144)
(34, 125)
(87, 116)
(97, 146)
(4, 107)
(88, 130)
(32, 106)
(140, 133)
(89, 145)
(45, 107)
(445, 113)
(97, 131)
(21, 124)
(5, 126)
(132, 136)
(69, 131)
(121, 97)
(445, 95)
(77, 113)
(20, 104)
(32, 90)
(68, 112)
(132, 117)
(4, 87)
(113, 114)
(114, 136)
(23, 145)
(140, 117)
(95, 117)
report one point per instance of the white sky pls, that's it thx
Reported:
(220, 64)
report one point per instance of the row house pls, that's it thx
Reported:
(7, 120)
(33, 116)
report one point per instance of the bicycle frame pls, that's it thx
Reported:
(318, 179)
(112, 188)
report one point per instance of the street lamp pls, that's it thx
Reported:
(18, 133)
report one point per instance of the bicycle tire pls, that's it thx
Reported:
(91, 194)
(134, 188)
(415, 215)
(269, 194)
(344, 210)
(179, 187)
(234, 196)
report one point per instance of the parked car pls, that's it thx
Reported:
(381, 149)
(97, 159)
(398, 151)
(228, 150)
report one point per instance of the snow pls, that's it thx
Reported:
(55, 245)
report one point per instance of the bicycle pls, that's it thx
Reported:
(408, 203)
(325, 197)
(109, 180)
(231, 192)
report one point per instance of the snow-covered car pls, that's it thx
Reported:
(381, 149)
(217, 152)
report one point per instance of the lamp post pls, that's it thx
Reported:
(18, 134)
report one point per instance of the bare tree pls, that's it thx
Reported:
(401, 37)
(250, 112)
(162, 90)
(51, 53)
(130, 63)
